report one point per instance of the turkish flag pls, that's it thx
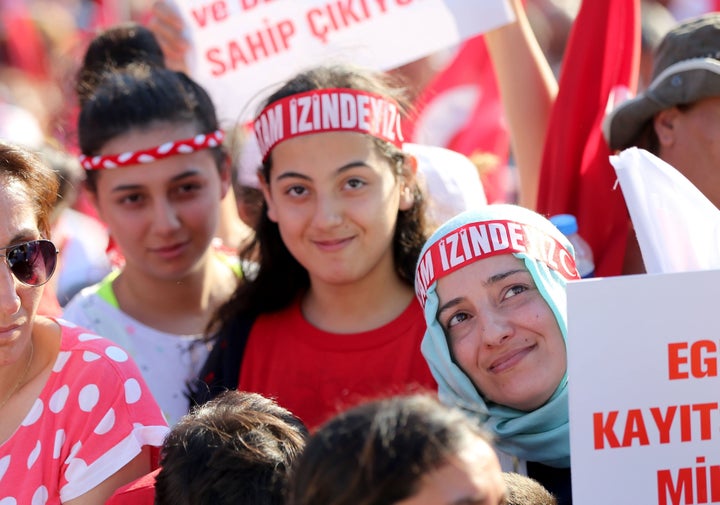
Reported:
(460, 109)
(602, 58)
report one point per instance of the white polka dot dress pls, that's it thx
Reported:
(93, 416)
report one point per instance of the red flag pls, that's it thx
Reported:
(576, 176)
(105, 13)
(25, 46)
(460, 109)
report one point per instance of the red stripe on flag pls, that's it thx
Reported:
(576, 176)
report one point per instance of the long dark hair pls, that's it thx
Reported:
(280, 278)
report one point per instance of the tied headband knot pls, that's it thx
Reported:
(328, 110)
(183, 146)
(479, 240)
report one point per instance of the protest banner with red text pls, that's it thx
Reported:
(643, 353)
(243, 48)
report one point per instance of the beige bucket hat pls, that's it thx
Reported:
(687, 69)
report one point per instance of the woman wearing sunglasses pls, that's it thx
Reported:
(76, 418)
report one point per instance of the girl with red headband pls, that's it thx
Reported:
(330, 318)
(156, 172)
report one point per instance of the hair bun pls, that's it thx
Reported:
(115, 48)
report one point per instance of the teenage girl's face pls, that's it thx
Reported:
(18, 302)
(163, 215)
(502, 332)
(336, 199)
(473, 476)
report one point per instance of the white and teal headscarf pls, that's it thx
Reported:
(541, 435)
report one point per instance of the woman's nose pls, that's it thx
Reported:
(495, 329)
(328, 212)
(165, 217)
(9, 298)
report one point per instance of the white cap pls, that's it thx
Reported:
(450, 180)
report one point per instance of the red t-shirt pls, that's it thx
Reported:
(138, 492)
(315, 374)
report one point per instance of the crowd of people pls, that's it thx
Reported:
(239, 313)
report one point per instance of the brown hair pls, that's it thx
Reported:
(19, 164)
(523, 490)
(378, 452)
(238, 448)
(124, 85)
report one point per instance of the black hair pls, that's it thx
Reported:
(377, 453)
(236, 449)
(130, 88)
(117, 47)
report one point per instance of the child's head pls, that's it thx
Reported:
(336, 186)
(406, 449)
(523, 490)
(235, 449)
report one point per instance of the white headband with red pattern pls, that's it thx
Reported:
(183, 146)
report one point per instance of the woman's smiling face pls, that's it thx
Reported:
(502, 332)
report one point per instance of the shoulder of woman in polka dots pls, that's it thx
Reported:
(94, 415)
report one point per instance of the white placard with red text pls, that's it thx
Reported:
(643, 356)
(243, 48)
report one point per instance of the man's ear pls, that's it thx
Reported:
(664, 124)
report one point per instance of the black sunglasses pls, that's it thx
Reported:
(32, 263)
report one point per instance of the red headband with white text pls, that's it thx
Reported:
(328, 110)
(479, 240)
(184, 146)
